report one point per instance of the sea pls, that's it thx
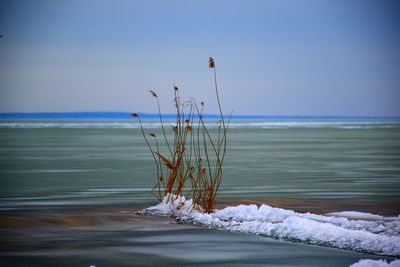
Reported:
(69, 189)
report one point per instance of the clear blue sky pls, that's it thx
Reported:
(273, 57)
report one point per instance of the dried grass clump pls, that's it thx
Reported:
(192, 163)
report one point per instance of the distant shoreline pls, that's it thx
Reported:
(127, 115)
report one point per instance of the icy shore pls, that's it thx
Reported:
(356, 231)
(376, 263)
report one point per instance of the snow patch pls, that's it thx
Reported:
(372, 234)
(376, 263)
(355, 215)
(172, 205)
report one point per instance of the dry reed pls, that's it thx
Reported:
(194, 155)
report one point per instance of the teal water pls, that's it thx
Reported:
(56, 167)
(68, 162)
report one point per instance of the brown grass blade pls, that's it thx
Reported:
(165, 161)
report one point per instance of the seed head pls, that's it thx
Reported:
(176, 88)
(134, 115)
(211, 63)
(202, 103)
(153, 93)
(188, 128)
(152, 134)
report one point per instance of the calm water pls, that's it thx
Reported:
(68, 162)
(52, 166)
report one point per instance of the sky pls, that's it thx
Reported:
(288, 58)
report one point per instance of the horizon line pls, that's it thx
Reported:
(126, 115)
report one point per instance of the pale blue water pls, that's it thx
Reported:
(45, 162)
(55, 164)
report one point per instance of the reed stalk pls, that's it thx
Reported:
(194, 153)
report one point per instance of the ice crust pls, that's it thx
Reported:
(373, 234)
(376, 263)
(355, 215)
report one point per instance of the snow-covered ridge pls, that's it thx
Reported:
(372, 234)
(376, 263)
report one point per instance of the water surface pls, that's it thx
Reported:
(79, 180)
(61, 162)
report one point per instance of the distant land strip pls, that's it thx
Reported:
(127, 115)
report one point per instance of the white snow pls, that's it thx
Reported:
(372, 234)
(174, 206)
(376, 263)
(355, 215)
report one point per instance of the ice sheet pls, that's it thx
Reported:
(368, 233)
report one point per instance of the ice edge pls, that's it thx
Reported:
(350, 230)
